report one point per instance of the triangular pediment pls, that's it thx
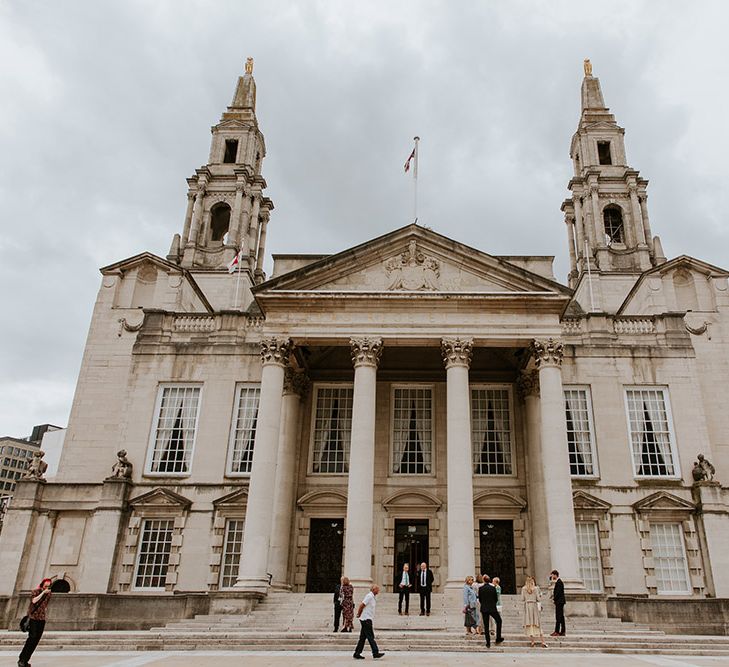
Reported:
(585, 501)
(413, 260)
(238, 498)
(663, 501)
(160, 497)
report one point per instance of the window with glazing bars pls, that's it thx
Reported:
(232, 547)
(154, 553)
(579, 432)
(244, 429)
(175, 430)
(412, 431)
(491, 432)
(650, 433)
(669, 558)
(332, 430)
(588, 556)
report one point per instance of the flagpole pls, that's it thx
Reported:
(589, 278)
(237, 282)
(415, 181)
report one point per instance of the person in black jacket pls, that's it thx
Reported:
(424, 585)
(337, 604)
(487, 597)
(559, 602)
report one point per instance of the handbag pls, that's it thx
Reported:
(25, 624)
(539, 606)
(470, 617)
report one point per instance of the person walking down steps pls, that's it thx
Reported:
(39, 600)
(366, 616)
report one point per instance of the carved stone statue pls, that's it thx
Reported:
(706, 466)
(697, 472)
(588, 67)
(123, 467)
(36, 467)
(249, 65)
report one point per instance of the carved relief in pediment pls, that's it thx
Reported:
(413, 271)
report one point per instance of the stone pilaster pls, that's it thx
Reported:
(461, 543)
(555, 462)
(295, 387)
(366, 353)
(259, 510)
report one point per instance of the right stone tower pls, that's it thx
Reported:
(609, 232)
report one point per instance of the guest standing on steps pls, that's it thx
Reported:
(39, 600)
(470, 604)
(347, 605)
(424, 585)
(366, 616)
(487, 597)
(530, 595)
(559, 602)
(404, 590)
(338, 599)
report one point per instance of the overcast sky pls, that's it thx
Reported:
(106, 109)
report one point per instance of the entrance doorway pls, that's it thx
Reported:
(326, 542)
(411, 546)
(497, 552)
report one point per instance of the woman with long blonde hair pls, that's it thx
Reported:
(530, 595)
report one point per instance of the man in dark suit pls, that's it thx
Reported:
(337, 604)
(559, 602)
(424, 586)
(487, 598)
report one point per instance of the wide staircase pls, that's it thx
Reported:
(303, 622)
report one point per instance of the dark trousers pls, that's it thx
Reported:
(366, 632)
(34, 636)
(497, 619)
(424, 602)
(404, 595)
(337, 615)
(559, 625)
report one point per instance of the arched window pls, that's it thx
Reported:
(685, 290)
(613, 219)
(60, 586)
(219, 221)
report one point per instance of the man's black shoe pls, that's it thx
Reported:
(378, 655)
(499, 640)
(358, 656)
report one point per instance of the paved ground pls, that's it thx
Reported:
(542, 658)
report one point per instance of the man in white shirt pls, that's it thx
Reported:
(366, 616)
(404, 590)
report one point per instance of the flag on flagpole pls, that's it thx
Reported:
(410, 159)
(236, 262)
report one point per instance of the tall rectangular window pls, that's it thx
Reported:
(174, 433)
(412, 431)
(232, 548)
(650, 432)
(603, 152)
(332, 429)
(669, 558)
(231, 151)
(578, 414)
(243, 431)
(588, 556)
(491, 431)
(153, 556)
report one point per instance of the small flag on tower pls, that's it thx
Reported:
(236, 262)
(410, 159)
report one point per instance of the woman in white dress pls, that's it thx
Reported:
(530, 595)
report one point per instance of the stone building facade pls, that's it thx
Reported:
(409, 399)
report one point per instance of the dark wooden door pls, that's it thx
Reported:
(326, 542)
(497, 552)
(411, 547)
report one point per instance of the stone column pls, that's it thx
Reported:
(713, 529)
(637, 217)
(261, 245)
(646, 223)
(366, 354)
(196, 216)
(461, 544)
(188, 218)
(234, 236)
(253, 231)
(105, 525)
(555, 462)
(599, 228)
(570, 222)
(579, 228)
(295, 387)
(259, 510)
(528, 388)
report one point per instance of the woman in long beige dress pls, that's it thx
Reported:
(530, 595)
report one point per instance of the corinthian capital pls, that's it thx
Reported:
(547, 352)
(527, 384)
(456, 351)
(366, 351)
(295, 382)
(276, 351)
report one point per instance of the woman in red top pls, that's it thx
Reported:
(40, 598)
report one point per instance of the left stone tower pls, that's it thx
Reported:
(226, 208)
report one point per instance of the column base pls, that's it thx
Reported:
(574, 586)
(281, 586)
(252, 585)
